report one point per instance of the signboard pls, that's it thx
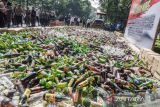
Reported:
(142, 23)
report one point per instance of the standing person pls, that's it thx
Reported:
(65, 20)
(84, 22)
(14, 15)
(28, 17)
(33, 17)
(3, 11)
(37, 17)
(9, 14)
(88, 23)
(18, 15)
(76, 21)
(68, 19)
(79, 20)
(45, 18)
(42, 18)
(52, 16)
(48, 19)
(72, 21)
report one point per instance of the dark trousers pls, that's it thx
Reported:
(38, 20)
(42, 21)
(2, 20)
(9, 23)
(33, 21)
(19, 19)
(14, 20)
(27, 20)
(9, 20)
(84, 24)
(88, 25)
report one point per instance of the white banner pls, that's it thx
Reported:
(142, 23)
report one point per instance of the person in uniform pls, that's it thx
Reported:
(33, 17)
(37, 17)
(42, 18)
(9, 14)
(18, 15)
(28, 17)
(3, 11)
(14, 15)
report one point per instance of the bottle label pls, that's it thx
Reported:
(27, 92)
(62, 85)
(50, 98)
(83, 84)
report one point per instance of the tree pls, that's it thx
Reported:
(81, 8)
(116, 10)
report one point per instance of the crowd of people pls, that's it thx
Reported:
(74, 21)
(15, 16)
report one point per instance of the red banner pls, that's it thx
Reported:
(139, 7)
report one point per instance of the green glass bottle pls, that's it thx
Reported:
(82, 77)
(88, 81)
(53, 98)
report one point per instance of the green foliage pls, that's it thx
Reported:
(81, 8)
(117, 10)
(157, 46)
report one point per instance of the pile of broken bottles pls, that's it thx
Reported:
(71, 67)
